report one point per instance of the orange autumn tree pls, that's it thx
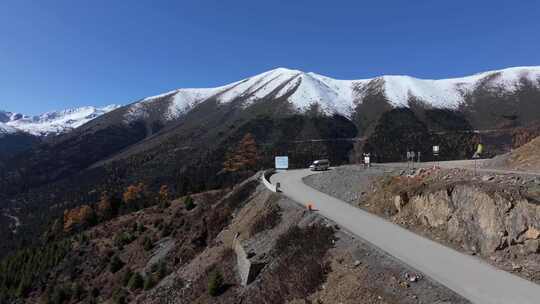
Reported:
(78, 217)
(244, 157)
(134, 196)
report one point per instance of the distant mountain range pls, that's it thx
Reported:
(302, 90)
(50, 123)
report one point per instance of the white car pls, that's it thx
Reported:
(320, 165)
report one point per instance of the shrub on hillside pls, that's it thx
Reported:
(164, 197)
(267, 220)
(148, 283)
(126, 277)
(116, 264)
(147, 243)
(136, 281)
(119, 296)
(188, 203)
(215, 283)
(123, 238)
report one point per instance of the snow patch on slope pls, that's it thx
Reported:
(257, 87)
(186, 99)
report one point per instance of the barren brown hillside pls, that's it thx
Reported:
(526, 157)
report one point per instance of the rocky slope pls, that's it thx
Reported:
(262, 246)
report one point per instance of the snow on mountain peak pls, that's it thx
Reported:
(55, 122)
(338, 96)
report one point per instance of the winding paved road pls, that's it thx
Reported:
(466, 275)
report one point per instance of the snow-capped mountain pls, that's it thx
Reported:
(51, 123)
(5, 129)
(341, 96)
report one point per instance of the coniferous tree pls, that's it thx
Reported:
(136, 281)
(188, 203)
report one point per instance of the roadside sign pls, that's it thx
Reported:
(436, 150)
(282, 162)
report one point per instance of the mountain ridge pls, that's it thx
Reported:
(52, 122)
(337, 96)
(303, 89)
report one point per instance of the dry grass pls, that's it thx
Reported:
(267, 220)
(299, 266)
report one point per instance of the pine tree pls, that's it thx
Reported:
(188, 203)
(116, 264)
(136, 281)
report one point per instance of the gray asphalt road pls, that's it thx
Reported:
(468, 276)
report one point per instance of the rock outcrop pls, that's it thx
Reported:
(482, 222)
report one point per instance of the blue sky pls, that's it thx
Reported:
(58, 54)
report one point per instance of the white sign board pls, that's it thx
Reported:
(282, 162)
(435, 150)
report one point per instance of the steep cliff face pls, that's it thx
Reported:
(481, 222)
